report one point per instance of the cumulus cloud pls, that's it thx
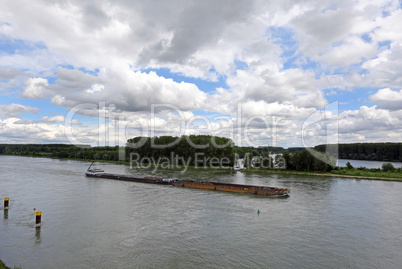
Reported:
(16, 110)
(8, 73)
(388, 99)
(95, 88)
(352, 51)
(385, 69)
(11, 131)
(37, 88)
(126, 89)
(54, 119)
(99, 52)
(367, 119)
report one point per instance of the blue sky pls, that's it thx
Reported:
(252, 71)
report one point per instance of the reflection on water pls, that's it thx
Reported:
(38, 238)
(5, 214)
(102, 223)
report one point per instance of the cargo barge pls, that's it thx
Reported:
(249, 189)
(207, 185)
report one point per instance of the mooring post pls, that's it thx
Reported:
(6, 203)
(38, 219)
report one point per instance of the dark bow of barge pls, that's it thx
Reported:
(151, 180)
(207, 185)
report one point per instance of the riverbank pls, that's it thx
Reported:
(384, 176)
(357, 174)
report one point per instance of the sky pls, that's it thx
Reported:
(263, 73)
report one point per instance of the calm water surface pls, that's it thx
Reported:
(367, 164)
(102, 223)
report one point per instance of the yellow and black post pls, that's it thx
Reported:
(6, 203)
(38, 219)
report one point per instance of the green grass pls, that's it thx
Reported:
(3, 266)
(344, 173)
(365, 173)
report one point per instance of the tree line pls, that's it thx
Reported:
(388, 152)
(214, 147)
(299, 160)
(259, 151)
(61, 151)
(186, 148)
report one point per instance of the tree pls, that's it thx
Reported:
(286, 156)
(388, 167)
(247, 160)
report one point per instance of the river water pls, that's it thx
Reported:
(367, 164)
(101, 223)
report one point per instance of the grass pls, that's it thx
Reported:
(344, 173)
(366, 173)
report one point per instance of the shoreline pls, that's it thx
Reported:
(276, 171)
(289, 172)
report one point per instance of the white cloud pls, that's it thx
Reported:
(292, 85)
(353, 50)
(106, 47)
(370, 121)
(37, 88)
(388, 99)
(54, 119)
(16, 110)
(128, 90)
(95, 88)
(8, 73)
(387, 95)
(386, 68)
(13, 132)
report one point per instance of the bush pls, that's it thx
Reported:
(349, 165)
(388, 167)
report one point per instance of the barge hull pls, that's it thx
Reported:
(207, 185)
(131, 178)
(237, 188)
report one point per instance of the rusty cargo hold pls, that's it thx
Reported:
(249, 189)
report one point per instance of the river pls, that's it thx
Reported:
(326, 222)
(367, 164)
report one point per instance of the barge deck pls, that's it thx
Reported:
(207, 185)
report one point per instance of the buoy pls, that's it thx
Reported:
(258, 212)
(38, 219)
(6, 203)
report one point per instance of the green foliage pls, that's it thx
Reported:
(3, 266)
(286, 156)
(295, 149)
(187, 148)
(368, 151)
(247, 160)
(260, 151)
(386, 167)
(349, 166)
(366, 172)
(61, 151)
(305, 161)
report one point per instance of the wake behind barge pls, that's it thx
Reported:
(207, 185)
